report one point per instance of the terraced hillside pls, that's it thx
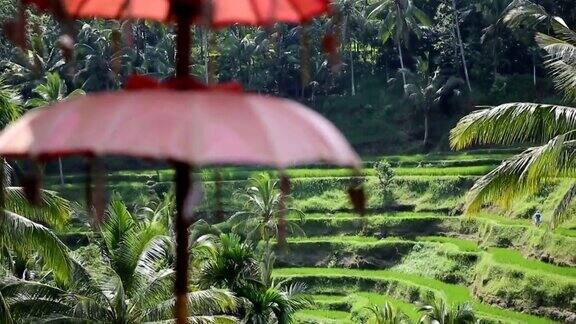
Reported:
(412, 242)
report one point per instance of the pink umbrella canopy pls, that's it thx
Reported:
(219, 13)
(205, 126)
(198, 128)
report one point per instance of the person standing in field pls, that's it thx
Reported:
(537, 218)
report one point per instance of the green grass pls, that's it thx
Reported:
(346, 215)
(462, 244)
(338, 239)
(453, 293)
(515, 258)
(243, 173)
(498, 154)
(440, 171)
(322, 316)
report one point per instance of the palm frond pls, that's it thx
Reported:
(10, 105)
(53, 210)
(5, 316)
(200, 303)
(525, 13)
(559, 214)
(18, 232)
(561, 62)
(512, 123)
(524, 173)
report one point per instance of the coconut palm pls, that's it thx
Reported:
(10, 104)
(426, 89)
(551, 126)
(402, 18)
(24, 236)
(387, 314)
(273, 301)
(28, 69)
(23, 227)
(263, 214)
(136, 285)
(50, 92)
(494, 35)
(436, 311)
(22, 300)
(460, 42)
(227, 261)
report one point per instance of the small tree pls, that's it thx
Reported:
(261, 218)
(385, 175)
(425, 90)
(387, 314)
(436, 311)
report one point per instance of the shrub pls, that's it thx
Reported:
(385, 175)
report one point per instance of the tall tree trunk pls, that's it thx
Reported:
(534, 68)
(61, 171)
(425, 142)
(460, 44)
(352, 77)
(401, 57)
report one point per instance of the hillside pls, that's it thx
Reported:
(409, 244)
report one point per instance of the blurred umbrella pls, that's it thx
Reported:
(198, 128)
(209, 13)
(190, 128)
(215, 13)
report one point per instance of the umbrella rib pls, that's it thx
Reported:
(80, 6)
(296, 9)
(123, 9)
(256, 12)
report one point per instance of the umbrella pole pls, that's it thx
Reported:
(183, 186)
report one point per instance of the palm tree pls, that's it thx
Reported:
(54, 90)
(460, 43)
(436, 311)
(263, 215)
(21, 226)
(426, 90)
(225, 261)
(229, 262)
(28, 69)
(552, 126)
(402, 18)
(387, 314)
(274, 301)
(25, 236)
(493, 35)
(136, 286)
(10, 104)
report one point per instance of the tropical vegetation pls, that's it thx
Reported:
(411, 80)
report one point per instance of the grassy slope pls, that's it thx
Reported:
(452, 293)
(515, 258)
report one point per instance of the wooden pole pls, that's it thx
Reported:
(183, 186)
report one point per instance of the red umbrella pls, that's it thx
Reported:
(219, 13)
(205, 126)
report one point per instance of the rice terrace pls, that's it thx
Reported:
(288, 161)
